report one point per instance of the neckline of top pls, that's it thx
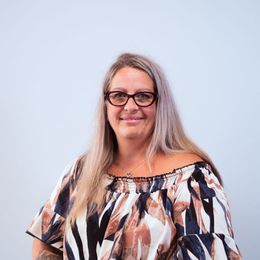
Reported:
(163, 175)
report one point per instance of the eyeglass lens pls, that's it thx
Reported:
(140, 98)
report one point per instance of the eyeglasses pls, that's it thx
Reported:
(141, 99)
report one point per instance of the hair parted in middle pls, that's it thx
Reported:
(168, 136)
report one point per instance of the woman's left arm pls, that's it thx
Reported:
(202, 218)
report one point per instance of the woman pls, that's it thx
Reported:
(143, 190)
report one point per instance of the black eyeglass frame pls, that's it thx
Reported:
(106, 96)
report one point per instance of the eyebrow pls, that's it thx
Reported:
(124, 90)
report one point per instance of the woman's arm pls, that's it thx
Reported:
(41, 251)
(202, 217)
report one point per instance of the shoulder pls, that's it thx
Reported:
(185, 158)
(197, 177)
(169, 162)
(68, 179)
(180, 160)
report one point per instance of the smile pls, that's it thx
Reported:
(131, 118)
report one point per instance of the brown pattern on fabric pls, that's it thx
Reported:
(47, 215)
(116, 218)
(179, 208)
(155, 210)
(183, 214)
(136, 235)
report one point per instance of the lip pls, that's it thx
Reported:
(131, 118)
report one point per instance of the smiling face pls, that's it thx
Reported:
(131, 121)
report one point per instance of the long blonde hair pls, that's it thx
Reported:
(168, 136)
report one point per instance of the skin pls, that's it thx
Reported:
(133, 136)
(133, 125)
(41, 251)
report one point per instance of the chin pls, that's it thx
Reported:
(133, 134)
(128, 134)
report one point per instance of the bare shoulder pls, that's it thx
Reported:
(165, 163)
(183, 159)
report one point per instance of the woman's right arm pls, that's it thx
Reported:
(48, 226)
(41, 251)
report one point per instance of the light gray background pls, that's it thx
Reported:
(53, 56)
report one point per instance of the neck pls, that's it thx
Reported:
(130, 152)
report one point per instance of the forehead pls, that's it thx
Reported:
(131, 79)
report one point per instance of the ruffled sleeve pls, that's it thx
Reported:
(49, 223)
(202, 217)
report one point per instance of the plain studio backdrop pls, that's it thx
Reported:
(53, 57)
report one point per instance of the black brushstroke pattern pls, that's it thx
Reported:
(52, 234)
(192, 244)
(205, 191)
(208, 207)
(69, 251)
(92, 234)
(191, 221)
(105, 221)
(76, 235)
(141, 204)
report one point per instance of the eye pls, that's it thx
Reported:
(143, 96)
(117, 98)
(117, 95)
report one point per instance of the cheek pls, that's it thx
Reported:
(109, 116)
(112, 114)
(151, 113)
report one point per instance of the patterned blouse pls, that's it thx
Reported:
(183, 214)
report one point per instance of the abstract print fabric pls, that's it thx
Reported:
(183, 214)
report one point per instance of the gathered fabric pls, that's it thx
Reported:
(182, 214)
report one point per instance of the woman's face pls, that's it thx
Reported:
(131, 122)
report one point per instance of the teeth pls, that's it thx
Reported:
(137, 119)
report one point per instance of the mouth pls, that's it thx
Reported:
(131, 119)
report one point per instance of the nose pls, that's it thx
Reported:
(131, 105)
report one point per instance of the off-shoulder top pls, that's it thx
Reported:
(183, 214)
